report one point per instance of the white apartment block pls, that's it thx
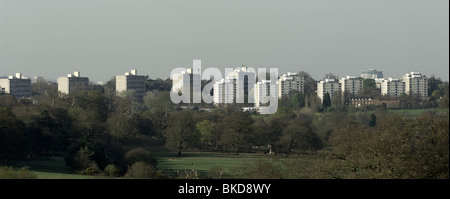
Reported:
(73, 82)
(289, 82)
(239, 76)
(186, 80)
(263, 90)
(415, 82)
(224, 91)
(351, 85)
(392, 87)
(328, 86)
(18, 85)
(131, 81)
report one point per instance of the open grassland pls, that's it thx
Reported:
(168, 162)
(204, 161)
(52, 169)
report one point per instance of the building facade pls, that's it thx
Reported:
(289, 82)
(224, 91)
(131, 82)
(72, 83)
(392, 87)
(19, 86)
(415, 82)
(329, 86)
(351, 85)
(263, 91)
(244, 81)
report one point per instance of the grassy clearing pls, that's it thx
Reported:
(167, 161)
(52, 169)
(203, 161)
(416, 112)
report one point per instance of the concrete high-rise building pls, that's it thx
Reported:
(131, 82)
(289, 82)
(415, 82)
(18, 85)
(263, 90)
(72, 83)
(224, 91)
(392, 87)
(351, 85)
(329, 86)
(244, 81)
(186, 81)
(371, 74)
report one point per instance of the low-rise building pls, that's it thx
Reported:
(389, 102)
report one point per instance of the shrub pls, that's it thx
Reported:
(112, 170)
(11, 173)
(141, 170)
(140, 155)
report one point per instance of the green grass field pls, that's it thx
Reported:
(167, 161)
(52, 169)
(203, 161)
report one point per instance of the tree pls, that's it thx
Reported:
(140, 155)
(180, 131)
(298, 100)
(207, 132)
(237, 128)
(14, 143)
(141, 170)
(331, 76)
(370, 88)
(373, 120)
(83, 163)
(298, 135)
(326, 101)
(121, 127)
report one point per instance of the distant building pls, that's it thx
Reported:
(351, 85)
(244, 81)
(389, 102)
(263, 90)
(329, 86)
(18, 85)
(131, 82)
(371, 74)
(392, 87)
(289, 82)
(72, 83)
(224, 91)
(415, 82)
(187, 82)
(359, 102)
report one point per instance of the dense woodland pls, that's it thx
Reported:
(95, 130)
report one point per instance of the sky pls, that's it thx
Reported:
(105, 38)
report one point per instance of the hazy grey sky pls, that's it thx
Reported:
(103, 38)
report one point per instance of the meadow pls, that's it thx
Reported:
(168, 162)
